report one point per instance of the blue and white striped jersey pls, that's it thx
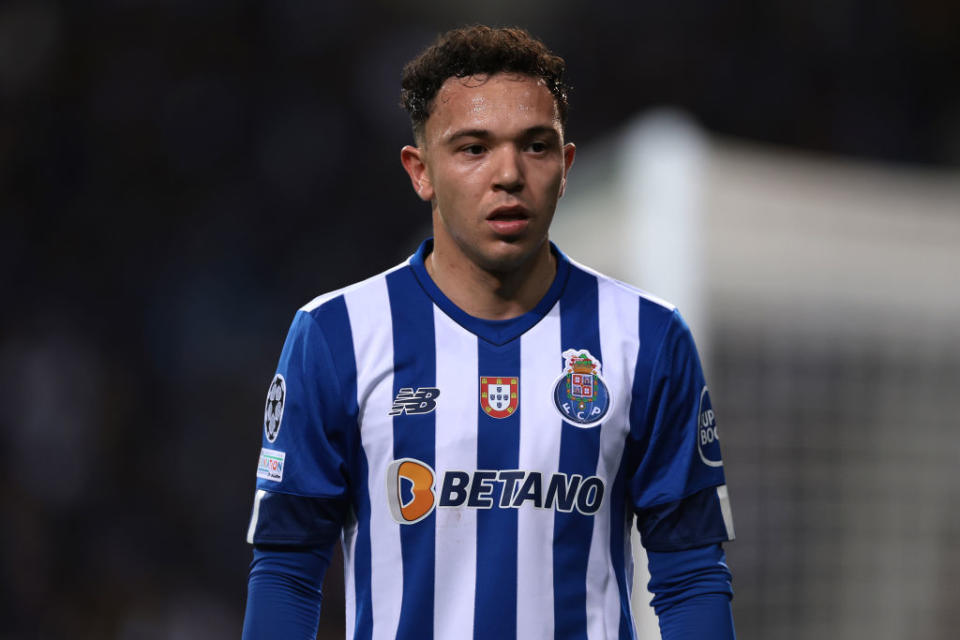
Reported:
(484, 475)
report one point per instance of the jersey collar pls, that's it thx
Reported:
(497, 332)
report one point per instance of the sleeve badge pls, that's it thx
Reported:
(273, 410)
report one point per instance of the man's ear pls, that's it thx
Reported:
(569, 151)
(414, 162)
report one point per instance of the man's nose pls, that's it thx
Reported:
(509, 170)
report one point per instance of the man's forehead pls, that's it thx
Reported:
(482, 98)
(479, 80)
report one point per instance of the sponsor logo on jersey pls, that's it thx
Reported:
(271, 465)
(413, 491)
(708, 439)
(273, 410)
(580, 394)
(499, 395)
(423, 400)
(410, 492)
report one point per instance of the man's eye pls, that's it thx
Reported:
(473, 149)
(538, 147)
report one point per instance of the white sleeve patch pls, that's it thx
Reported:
(271, 465)
(725, 510)
(255, 516)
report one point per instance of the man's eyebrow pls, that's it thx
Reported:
(537, 130)
(540, 130)
(466, 133)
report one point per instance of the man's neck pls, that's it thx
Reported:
(487, 295)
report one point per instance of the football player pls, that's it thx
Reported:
(482, 425)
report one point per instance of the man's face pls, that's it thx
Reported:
(493, 166)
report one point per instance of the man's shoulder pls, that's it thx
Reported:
(358, 289)
(621, 292)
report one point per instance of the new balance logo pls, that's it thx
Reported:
(423, 400)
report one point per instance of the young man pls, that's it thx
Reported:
(483, 423)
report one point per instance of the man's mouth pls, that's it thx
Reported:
(508, 221)
(516, 212)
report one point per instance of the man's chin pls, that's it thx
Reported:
(508, 255)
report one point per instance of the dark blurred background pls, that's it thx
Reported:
(178, 177)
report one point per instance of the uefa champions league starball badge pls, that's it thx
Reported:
(273, 410)
(580, 394)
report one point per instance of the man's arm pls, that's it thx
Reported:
(301, 501)
(678, 488)
(283, 592)
(692, 593)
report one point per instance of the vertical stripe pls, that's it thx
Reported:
(621, 555)
(362, 573)
(579, 450)
(349, 546)
(257, 497)
(414, 357)
(456, 419)
(540, 452)
(653, 324)
(378, 584)
(331, 313)
(618, 311)
(498, 443)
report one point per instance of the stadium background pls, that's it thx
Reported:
(177, 178)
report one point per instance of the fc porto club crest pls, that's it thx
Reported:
(499, 395)
(580, 394)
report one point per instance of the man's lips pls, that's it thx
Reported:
(508, 220)
(514, 212)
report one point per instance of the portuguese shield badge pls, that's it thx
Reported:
(499, 395)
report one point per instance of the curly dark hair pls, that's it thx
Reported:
(476, 50)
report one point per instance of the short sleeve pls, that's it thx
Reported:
(677, 483)
(302, 473)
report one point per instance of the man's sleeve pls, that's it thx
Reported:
(677, 486)
(302, 494)
(283, 592)
(692, 593)
(307, 434)
(677, 483)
